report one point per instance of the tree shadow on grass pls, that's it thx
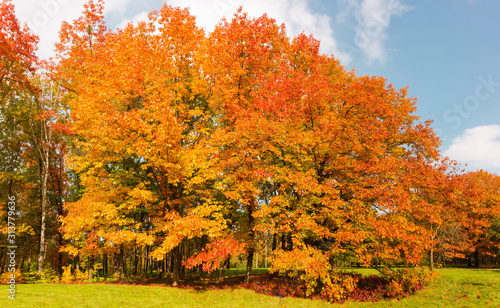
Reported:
(368, 289)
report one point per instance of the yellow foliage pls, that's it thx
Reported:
(67, 276)
(6, 277)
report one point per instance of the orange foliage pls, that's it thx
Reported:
(17, 51)
(183, 135)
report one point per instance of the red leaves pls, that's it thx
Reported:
(214, 253)
(17, 50)
(260, 173)
(62, 129)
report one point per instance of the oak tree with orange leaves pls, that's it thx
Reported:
(140, 112)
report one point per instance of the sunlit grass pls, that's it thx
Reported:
(455, 288)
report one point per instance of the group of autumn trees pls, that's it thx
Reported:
(162, 142)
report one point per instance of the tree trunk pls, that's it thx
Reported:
(105, 265)
(161, 268)
(176, 264)
(226, 265)
(265, 252)
(21, 264)
(431, 257)
(136, 261)
(119, 262)
(60, 261)
(249, 265)
(124, 263)
(183, 259)
(45, 175)
(114, 264)
(476, 258)
(289, 244)
(76, 261)
(251, 248)
(91, 267)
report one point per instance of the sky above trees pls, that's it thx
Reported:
(445, 51)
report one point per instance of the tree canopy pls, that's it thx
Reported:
(197, 147)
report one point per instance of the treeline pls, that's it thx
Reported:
(160, 148)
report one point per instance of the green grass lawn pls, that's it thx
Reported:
(455, 288)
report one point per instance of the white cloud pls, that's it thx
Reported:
(374, 17)
(478, 147)
(115, 6)
(295, 14)
(137, 18)
(44, 17)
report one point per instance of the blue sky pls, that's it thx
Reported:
(446, 51)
